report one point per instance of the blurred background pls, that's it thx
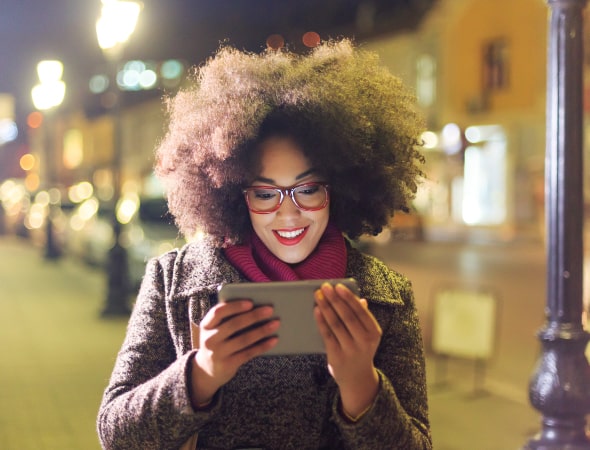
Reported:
(81, 212)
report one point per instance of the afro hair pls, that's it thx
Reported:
(356, 123)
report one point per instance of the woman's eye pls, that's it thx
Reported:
(265, 195)
(307, 190)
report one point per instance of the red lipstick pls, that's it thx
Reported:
(288, 240)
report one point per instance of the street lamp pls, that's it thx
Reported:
(48, 95)
(115, 25)
(560, 385)
(113, 28)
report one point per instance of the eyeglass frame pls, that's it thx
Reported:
(290, 192)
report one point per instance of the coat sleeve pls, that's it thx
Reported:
(398, 418)
(146, 404)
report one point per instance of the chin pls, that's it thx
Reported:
(292, 259)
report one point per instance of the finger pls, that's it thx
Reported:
(331, 317)
(252, 336)
(343, 302)
(227, 349)
(324, 328)
(238, 324)
(224, 310)
(358, 306)
(216, 338)
(354, 314)
(252, 351)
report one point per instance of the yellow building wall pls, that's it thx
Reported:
(523, 25)
(99, 140)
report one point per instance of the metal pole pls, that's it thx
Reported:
(52, 251)
(560, 386)
(113, 28)
(117, 264)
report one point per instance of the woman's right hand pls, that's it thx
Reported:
(226, 343)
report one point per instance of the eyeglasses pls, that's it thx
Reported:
(267, 199)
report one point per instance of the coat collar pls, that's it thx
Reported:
(201, 267)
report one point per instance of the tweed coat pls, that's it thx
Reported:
(273, 402)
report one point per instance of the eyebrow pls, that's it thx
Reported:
(298, 177)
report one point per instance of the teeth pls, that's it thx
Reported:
(290, 234)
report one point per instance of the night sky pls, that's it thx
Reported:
(32, 30)
(190, 30)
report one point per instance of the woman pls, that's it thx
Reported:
(273, 157)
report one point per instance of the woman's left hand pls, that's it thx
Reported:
(351, 335)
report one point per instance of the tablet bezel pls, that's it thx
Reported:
(293, 302)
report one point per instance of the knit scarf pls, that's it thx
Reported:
(259, 264)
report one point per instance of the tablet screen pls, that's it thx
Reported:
(293, 303)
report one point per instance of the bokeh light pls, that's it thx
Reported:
(103, 182)
(35, 119)
(275, 41)
(54, 196)
(73, 151)
(148, 79)
(430, 139)
(27, 162)
(51, 91)
(127, 207)
(42, 198)
(8, 131)
(311, 39)
(36, 217)
(171, 69)
(98, 84)
(117, 22)
(80, 192)
(452, 140)
(32, 182)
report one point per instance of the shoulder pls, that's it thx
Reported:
(378, 282)
(196, 265)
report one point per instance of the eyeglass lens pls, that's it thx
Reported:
(307, 196)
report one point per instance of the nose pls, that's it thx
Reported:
(288, 207)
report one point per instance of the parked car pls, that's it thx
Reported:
(15, 202)
(90, 233)
(36, 219)
(149, 231)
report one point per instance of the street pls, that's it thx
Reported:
(58, 353)
(514, 274)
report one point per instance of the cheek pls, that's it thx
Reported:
(259, 221)
(323, 216)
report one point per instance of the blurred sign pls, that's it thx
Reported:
(6, 106)
(464, 323)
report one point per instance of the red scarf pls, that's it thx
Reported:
(259, 264)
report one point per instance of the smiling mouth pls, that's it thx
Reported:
(290, 237)
(290, 234)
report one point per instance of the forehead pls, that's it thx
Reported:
(281, 158)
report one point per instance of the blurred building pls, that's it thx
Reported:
(479, 72)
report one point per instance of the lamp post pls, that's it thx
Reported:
(113, 29)
(48, 95)
(560, 385)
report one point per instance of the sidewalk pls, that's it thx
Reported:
(57, 354)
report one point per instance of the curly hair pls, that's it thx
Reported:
(355, 122)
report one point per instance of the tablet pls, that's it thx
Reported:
(293, 303)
